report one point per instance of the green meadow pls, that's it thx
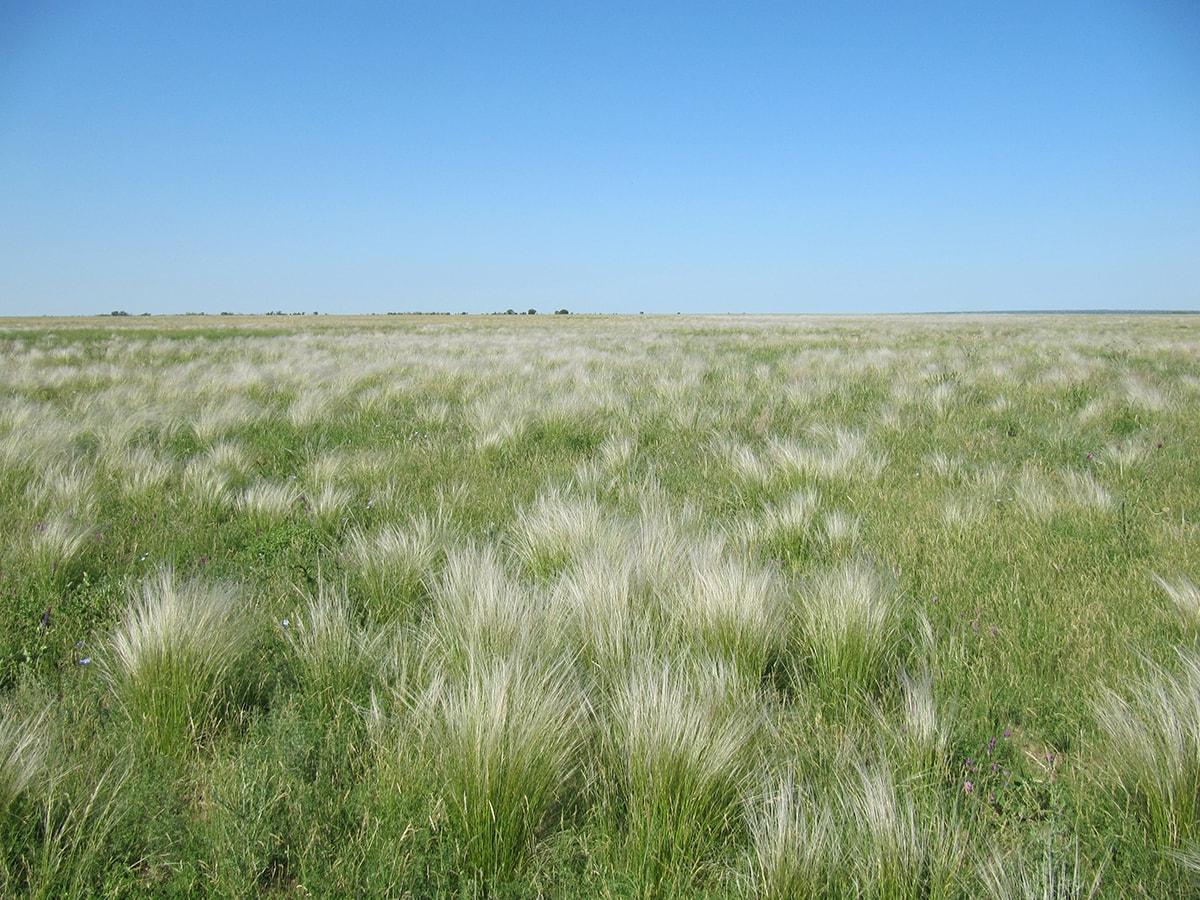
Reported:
(600, 606)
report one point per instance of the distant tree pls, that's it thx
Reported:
(510, 312)
(118, 312)
(562, 312)
(532, 311)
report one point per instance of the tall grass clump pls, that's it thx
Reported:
(849, 625)
(867, 837)
(594, 597)
(1185, 596)
(328, 504)
(336, 658)
(176, 659)
(902, 849)
(268, 502)
(505, 739)
(834, 454)
(55, 543)
(1084, 491)
(681, 737)
(23, 751)
(659, 539)
(924, 737)
(1154, 747)
(795, 842)
(784, 530)
(396, 565)
(547, 534)
(479, 609)
(839, 533)
(731, 607)
(1014, 876)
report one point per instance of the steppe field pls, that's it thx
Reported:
(600, 606)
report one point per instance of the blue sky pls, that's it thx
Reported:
(605, 157)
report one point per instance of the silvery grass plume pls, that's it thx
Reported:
(322, 466)
(141, 471)
(68, 488)
(783, 530)
(497, 418)
(313, 406)
(1185, 595)
(218, 417)
(594, 598)
(549, 532)
(1014, 876)
(267, 502)
(730, 606)
(796, 846)
(1154, 741)
(32, 435)
(950, 469)
(960, 512)
(836, 454)
(397, 565)
(681, 735)
(747, 466)
(849, 625)
(505, 736)
(1146, 396)
(56, 540)
(337, 659)
(479, 609)
(924, 738)
(175, 658)
(1033, 495)
(617, 451)
(205, 486)
(1083, 491)
(1125, 457)
(658, 538)
(839, 532)
(901, 849)
(23, 751)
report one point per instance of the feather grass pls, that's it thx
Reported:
(175, 660)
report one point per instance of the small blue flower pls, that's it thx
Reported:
(85, 660)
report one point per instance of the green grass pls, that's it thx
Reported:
(599, 606)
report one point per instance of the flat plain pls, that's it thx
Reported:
(561, 605)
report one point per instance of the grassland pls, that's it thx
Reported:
(600, 606)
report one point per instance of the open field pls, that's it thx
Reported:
(600, 606)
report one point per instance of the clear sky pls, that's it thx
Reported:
(611, 156)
